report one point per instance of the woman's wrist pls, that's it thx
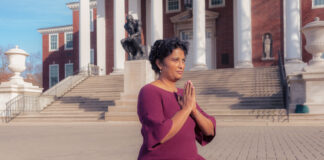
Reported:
(195, 112)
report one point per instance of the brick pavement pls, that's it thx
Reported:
(121, 141)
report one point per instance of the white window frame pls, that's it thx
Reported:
(50, 40)
(316, 6)
(65, 40)
(172, 11)
(65, 66)
(58, 74)
(91, 20)
(92, 56)
(217, 5)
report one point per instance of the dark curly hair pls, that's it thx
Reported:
(163, 48)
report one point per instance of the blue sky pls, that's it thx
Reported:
(20, 19)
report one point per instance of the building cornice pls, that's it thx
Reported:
(58, 29)
(76, 5)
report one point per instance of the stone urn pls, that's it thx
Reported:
(17, 63)
(314, 34)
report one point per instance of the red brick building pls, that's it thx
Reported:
(237, 33)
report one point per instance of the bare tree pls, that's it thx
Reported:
(4, 71)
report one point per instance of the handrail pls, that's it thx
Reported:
(19, 104)
(283, 80)
(69, 82)
(26, 103)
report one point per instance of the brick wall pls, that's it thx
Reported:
(224, 30)
(267, 17)
(62, 56)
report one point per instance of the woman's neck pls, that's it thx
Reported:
(168, 84)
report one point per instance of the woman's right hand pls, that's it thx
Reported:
(189, 96)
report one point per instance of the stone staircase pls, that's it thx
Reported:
(239, 95)
(86, 102)
(231, 95)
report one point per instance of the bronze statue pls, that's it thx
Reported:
(132, 44)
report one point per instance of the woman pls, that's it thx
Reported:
(171, 119)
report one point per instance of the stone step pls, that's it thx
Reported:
(58, 112)
(68, 114)
(57, 119)
(68, 109)
(131, 102)
(123, 109)
(39, 115)
(246, 112)
(82, 103)
(84, 99)
(77, 106)
(121, 116)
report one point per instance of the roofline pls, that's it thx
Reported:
(76, 5)
(57, 29)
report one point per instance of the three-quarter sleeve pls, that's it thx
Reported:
(200, 137)
(150, 112)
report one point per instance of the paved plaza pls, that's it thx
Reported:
(121, 141)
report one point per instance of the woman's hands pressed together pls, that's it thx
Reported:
(188, 101)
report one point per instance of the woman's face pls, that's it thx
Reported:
(173, 65)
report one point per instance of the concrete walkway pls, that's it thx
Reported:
(121, 141)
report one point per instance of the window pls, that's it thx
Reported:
(68, 40)
(68, 69)
(53, 74)
(172, 6)
(188, 4)
(216, 3)
(53, 42)
(91, 20)
(186, 35)
(318, 3)
(92, 56)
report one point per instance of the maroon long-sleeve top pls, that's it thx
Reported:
(155, 109)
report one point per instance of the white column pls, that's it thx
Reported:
(101, 36)
(148, 26)
(292, 30)
(119, 34)
(292, 48)
(242, 34)
(134, 8)
(84, 35)
(199, 35)
(156, 20)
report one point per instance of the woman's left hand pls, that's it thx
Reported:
(189, 85)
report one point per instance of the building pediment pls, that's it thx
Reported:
(187, 16)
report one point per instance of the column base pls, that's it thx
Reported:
(199, 67)
(294, 66)
(244, 64)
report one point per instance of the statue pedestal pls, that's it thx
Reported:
(16, 85)
(307, 88)
(11, 89)
(137, 73)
